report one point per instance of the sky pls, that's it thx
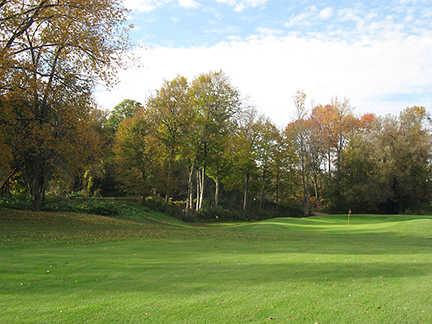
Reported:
(378, 54)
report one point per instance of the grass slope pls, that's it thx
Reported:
(66, 267)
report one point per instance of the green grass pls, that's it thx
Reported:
(66, 267)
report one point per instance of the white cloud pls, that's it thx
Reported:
(263, 31)
(144, 5)
(240, 5)
(150, 5)
(348, 14)
(269, 69)
(189, 3)
(302, 19)
(326, 13)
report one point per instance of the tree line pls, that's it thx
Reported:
(195, 143)
(198, 144)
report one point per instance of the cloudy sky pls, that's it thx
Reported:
(376, 53)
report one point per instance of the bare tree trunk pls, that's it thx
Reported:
(189, 198)
(277, 184)
(305, 186)
(339, 153)
(202, 186)
(245, 190)
(169, 175)
(37, 188)
(5, 187)
(198, 189)
(216, 192)
(315, 181)
(305, 200)
(262, 189)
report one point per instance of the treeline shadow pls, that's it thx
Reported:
(188, 278)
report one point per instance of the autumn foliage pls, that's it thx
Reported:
(194, 143)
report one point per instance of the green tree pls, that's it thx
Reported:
(136, 154)
(125, 109)
(171, 112)
(216, 102)
(265, 156)
(245, 154)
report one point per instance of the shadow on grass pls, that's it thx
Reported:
(188, 278)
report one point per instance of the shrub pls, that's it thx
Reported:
(158, 204)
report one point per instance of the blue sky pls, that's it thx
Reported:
(204, 23)
(376, 53)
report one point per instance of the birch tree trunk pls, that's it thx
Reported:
(198, 190)
(245, 190)
(277, 184)
(216, 192)
(202, 186)
(189, 198)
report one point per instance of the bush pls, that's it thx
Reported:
(159, 204)
(15, 203)
(125, 207)
(221, 214)
(80, 205)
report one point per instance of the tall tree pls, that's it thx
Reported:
(265, 147)
(245, 143)
(217, 103)
(137, 156)
(301, 133)
(172, 114)
(52, 54)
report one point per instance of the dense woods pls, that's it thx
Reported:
(197, 144)
(194, 144)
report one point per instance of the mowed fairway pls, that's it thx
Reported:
(60, 267)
